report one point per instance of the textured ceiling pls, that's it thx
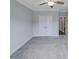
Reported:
(35, 5)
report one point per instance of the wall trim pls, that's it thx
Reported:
(46, 36)
(22, 44)
(24, 4)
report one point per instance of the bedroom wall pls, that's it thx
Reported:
(20, 25)
(55, 24)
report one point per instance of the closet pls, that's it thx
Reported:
(45, 25)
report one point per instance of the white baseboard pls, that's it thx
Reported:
(45, 35)
(22, 44)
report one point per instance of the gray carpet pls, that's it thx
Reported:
(43, 48)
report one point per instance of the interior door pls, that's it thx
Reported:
(45, 25)
(49, 25)
(42, 26)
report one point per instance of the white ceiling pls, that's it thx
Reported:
(35, 5)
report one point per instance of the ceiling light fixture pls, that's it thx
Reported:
(50, 3)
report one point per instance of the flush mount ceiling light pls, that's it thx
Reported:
(52, 2)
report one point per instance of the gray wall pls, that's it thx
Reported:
(55, 24)
(20, 25)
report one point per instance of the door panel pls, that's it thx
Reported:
(45, 25)
(49, 25)
(42, 25)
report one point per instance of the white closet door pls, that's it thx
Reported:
(42, 25)
(49, 25)
(45, 25)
